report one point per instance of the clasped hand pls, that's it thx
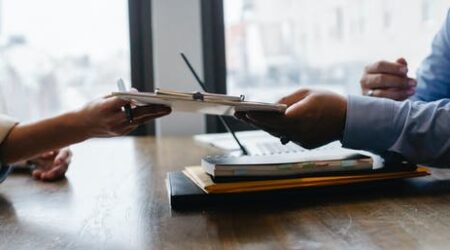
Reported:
(388, 79)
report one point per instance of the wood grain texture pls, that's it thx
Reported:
(114, 197)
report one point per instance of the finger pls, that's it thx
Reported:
(242, 116)
(402, 61)
(268, 120)
(294, 97)
(155, 110)
(387, 68)
(126, 129)
(116, 103)
(36, 173)
(129, 130)
(64, 156)
(133, 90)
(120, 120)
(49, 154)
(263, 126)
(395, 94)
(375, 81)
(145, 118)
(239, 115)
(55, 173)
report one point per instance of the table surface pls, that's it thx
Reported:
(114, 197)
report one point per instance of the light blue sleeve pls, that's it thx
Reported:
(418, 131)
(433, 76)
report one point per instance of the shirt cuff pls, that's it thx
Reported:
(6, 124)
(369, 124)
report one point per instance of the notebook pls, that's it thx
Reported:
(286, 164)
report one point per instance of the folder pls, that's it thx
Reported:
(199, 102)
(197, 175)
(184, 194)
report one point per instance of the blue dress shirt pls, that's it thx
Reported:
(417, 129)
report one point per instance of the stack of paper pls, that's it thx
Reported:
(205, 182)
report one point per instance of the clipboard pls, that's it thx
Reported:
(199, 102)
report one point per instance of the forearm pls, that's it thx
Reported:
(27, 140)
(418, 131)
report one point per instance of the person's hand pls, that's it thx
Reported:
(51, 166)
(312, 119)
(389, 80)
(105, 117)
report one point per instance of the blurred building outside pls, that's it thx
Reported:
(274, 47)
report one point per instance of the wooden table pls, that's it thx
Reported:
(114, 197)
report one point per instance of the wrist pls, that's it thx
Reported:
(77, 123)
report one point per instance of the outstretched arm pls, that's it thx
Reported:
(101, 118)
(417, 131)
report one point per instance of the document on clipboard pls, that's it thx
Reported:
(199, 102)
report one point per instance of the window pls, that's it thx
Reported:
(57, 55)
(276, 46)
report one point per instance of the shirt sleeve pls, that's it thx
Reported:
(416, 130)
(6, 124)
(433, 76)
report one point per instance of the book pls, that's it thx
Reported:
(308, 163)
(184, 194)
(204, 181)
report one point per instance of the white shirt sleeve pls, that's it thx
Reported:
(6, 124)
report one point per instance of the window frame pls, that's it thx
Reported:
(141, 52)
(214, 60)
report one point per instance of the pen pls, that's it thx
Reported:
(127, 107)
(224, 123)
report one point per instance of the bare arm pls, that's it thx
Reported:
(28, 140)
(101, 118)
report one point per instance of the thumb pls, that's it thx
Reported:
(402, 61)
(116, 103)
(298, 108)
(64, 156)
(294, 97)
